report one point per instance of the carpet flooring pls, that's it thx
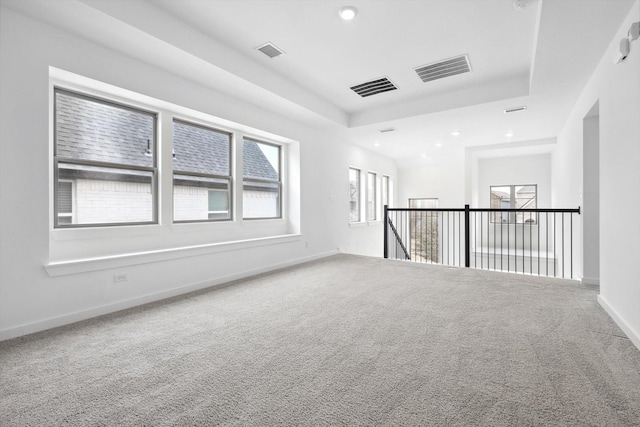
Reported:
(345, 340)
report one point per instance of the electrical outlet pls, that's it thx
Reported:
(117, 278)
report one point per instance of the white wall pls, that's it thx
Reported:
(519, 170)
(442, 178)
(33, 298)
(616, 87)
(591, 199)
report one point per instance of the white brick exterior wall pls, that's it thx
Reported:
(259, 204)
(190, 203)
(97, 201)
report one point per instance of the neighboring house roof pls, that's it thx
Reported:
(255, 163)
(89, 130)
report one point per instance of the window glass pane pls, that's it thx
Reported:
(371, 196)
(192, 196)
(200, 150)
(354, 194)
(385, 190)
(260, 161)
(260, 199)
(65, 200)
(500, 199)
(525, 198)
(88, 129)
(109, 195)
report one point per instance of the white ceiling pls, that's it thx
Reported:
(540, 57)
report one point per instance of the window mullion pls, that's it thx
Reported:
(165, 168)
(238, 167)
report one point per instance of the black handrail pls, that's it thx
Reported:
(503, 240)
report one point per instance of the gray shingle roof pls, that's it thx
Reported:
(90, 130)
(255, 163)
(200, 150)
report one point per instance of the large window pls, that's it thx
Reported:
(514, 197)
(261, 182)
(105, 169)
(201, 173)
(354, 195)
(372, 211)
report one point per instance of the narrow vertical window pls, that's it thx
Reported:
(385, 190)
(261, 180)
(201, 173)
(371, 196)
(105, 169)
(354, 195)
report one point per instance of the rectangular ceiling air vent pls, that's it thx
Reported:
(374, 87)
(515, 109)
(445, 68)
(270, 50)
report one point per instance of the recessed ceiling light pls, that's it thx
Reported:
(376, 144)
(509, 134)
(347, 13)
(423, 155)
(455, 133)
(438, 144)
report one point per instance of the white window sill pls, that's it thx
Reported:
(75, 266)
(357, 224)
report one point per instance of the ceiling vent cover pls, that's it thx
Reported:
(270, 50)
(445, 68)
(374, 87)
(515, 109)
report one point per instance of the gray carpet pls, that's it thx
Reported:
(346, 340)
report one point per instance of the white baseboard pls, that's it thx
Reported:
(633, 335)
(67, 319)
(590, 281)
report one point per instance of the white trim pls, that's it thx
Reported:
(590, 281)
(63, 268)
(633, 335)
(357, 224)
(66, 319)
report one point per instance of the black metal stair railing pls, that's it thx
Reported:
(528, 241)
(398, 241)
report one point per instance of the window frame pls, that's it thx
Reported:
(512, 216)
(358, 193)
(385, 191)
(280, 148)
(372, 205)
(229, 177)
(153, 169)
